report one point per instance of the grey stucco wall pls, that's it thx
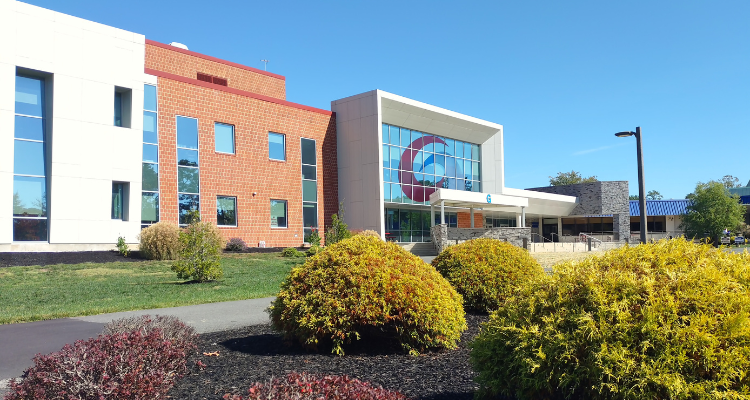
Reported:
(443, 236)
(599, 198)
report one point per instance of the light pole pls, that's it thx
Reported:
(641, 184)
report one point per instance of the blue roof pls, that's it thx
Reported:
(659, 207)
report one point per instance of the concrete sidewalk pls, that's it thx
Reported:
(19, 343)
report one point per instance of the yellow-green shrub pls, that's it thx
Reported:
(160, 241)
(659, 321)
(486, 271)
(363, 286)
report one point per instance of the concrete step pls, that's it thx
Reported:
(420, 249)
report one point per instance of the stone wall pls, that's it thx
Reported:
(599, 198)
(443, 236)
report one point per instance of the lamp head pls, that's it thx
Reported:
(624, 134)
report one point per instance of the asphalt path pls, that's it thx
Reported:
(19, 343)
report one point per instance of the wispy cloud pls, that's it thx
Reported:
(588, 151)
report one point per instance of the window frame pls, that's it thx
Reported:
(157, 192)
(234, 141)
(316, 202)
(177, 170)
(236, 218)
(283, 145)
(286, 213)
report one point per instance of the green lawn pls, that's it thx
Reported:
(38, 293)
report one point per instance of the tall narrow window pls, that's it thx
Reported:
(29, 166)
(188, 173)
(276, 146)
(120, 195)
(150, 177)
(224, 136)
(309, 187)
(123, 105)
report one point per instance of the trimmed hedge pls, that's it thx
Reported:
(137, 364)
(486, 271)
(306, 386)
(363, 287)
(669, 320)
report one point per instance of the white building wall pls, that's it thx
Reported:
(493, 164)
(87, 60)
(358, 125)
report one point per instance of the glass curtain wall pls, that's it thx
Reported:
(150, 175)
(188, 173)
(407, 225)
(309, 187)
(30, 202)
(416, 164)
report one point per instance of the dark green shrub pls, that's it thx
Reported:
(201, 244)
(122, 246)
(338, 230)
(160, 241)
(660, 321)
(313, 250)
(486, 271)
(292, 252)
(363, 288)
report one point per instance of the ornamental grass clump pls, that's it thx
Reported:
(669, 320)
(160, 241)
(486, 271)
(364, 288)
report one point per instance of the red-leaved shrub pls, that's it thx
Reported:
(131, 365)
(306, 386)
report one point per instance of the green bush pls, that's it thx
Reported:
(363, 288)
(313, 250)
(201, 244)
(338, 230)
(668, 320)
(292, 252)
(486, 271)
(122, 246)
(160, 241)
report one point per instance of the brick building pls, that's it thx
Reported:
(104, 132)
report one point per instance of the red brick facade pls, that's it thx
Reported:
(249, 170)
(463, 219)
(173, 60)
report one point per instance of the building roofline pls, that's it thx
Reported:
(238, 92)
(214, 59)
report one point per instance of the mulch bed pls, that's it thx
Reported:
(258, 353)
(25, 259)
(69, 257)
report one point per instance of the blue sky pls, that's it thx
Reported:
(562, 77)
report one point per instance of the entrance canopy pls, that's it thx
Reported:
(511, 201)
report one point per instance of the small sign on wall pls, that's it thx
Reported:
(535, 224)
(262, 244)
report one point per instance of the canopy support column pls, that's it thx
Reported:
(523, 217)
(442, 212)
(471, 211)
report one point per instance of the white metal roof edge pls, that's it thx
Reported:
(530, 194)
(438, 110)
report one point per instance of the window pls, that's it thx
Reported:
(226, 211)
(415, 164)
(309, 187)
(122, 106)
(224, 135)
(30, 199)
(150, 174)
(120, 195)
(278, 214)
(188, 173)
(276, 146)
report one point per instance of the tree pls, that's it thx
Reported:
(730, 181)
(654, 195)
(570, 178)
(634, 197)
(338, 230)
(711, 210)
